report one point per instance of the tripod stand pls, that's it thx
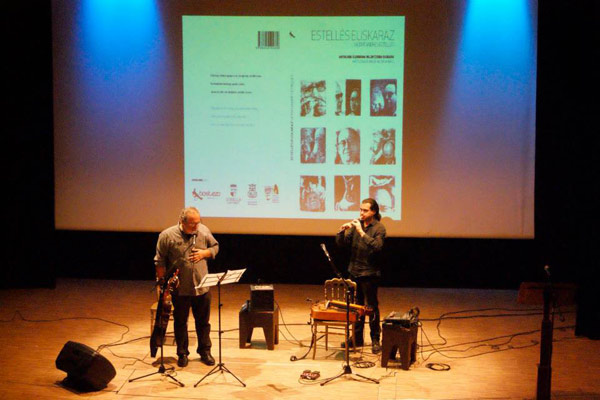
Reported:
(212, 280)
(158, 336)
(347, 370)
(161, 370)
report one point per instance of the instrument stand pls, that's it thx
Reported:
(347, 369)
(216, 280)
(161, 369)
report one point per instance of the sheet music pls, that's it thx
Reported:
(230, 276)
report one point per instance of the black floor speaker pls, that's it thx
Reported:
(86, 369)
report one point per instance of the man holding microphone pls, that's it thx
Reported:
(364, 238)
(187, 246)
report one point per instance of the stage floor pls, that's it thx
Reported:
(489, 342)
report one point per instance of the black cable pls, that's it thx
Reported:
(436, 347)
(18, 313)
(312, 343)
(298, 342)
(363, 364)
(127, 357)
(519, 313)
(446, 316)
(511, 336)
(99, 348)
(494, 347)
(438, 366)
(305, 381)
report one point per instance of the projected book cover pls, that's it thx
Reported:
(293, 117)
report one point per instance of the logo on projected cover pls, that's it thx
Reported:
(205, 195)
(272, 194)
(233, 197)
(252, 194)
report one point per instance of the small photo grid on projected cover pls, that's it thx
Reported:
(383, 147)
(312, 145)
(346, 193)
(383, 97)
(381, 188)
(343, 148)
(313, 98)
(312, 193)
(347, 146)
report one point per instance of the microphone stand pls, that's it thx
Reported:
(544, 378)
(347, 370)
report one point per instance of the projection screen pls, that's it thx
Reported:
(280, 119)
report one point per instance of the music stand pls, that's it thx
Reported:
(347, 369)
(218, 279)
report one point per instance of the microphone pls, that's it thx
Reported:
(547, 269)
(191, 248)
(325, 251)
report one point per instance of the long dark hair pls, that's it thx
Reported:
(374, 207)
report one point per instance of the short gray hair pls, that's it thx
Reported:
(186, 212)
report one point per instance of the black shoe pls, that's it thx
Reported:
(206, 358)
(359, 343)
(376, 347)
(182, 361)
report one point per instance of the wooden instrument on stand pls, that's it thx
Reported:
(163, 311)
(334, 310)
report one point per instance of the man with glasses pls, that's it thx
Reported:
(186, 247)
(347, 146)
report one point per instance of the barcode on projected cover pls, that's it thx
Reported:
(268, 40)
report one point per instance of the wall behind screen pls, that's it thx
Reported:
(468, 131)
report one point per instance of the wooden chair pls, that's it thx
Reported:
(335, 290)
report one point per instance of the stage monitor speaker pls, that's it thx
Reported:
(86, 368)
(261, 298)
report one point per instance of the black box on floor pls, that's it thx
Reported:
(262, 298)
(86, 369)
